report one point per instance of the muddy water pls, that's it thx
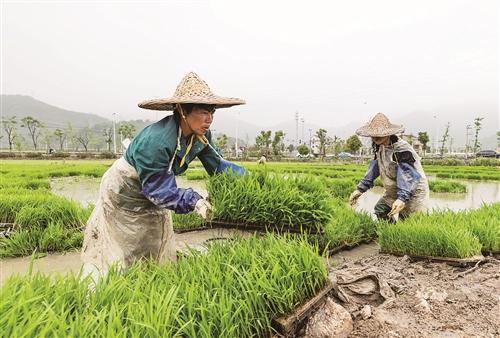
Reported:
(70, 261)
(86, 189)
(477, 194)
(363, 250)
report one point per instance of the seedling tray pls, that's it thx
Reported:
(288, 325)
(460, 262)
(491, 253)
(199, 228)
(263, 228)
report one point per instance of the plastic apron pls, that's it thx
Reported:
(387, 166)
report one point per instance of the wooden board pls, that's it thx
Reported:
(263, 228)
(461, 262)
(287, 326)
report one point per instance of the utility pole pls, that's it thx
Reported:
(114, 133)
(310, 140)
(467, 128)
(296, 129)
(302, 138)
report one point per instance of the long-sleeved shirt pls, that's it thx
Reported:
(407, 176)
(151, 153)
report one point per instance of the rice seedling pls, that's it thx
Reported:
(187, 221)
(54, 237)
(232, 291)
(484, 223)
(346, 227)
(440, 234)
(447, 186)
(267, 199)
(194, 175)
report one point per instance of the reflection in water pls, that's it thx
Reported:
(477, 194)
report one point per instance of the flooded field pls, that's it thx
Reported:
(85, 190)
(477, 194)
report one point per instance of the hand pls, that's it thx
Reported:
(397, 206)
(204, 209)
(353, 199)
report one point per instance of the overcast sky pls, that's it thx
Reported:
(331, 61)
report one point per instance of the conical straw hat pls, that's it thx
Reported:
(379, 126)
(192, 89)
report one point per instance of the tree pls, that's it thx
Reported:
(423, 138)
(46, 137)
(303, 150)
(108, 137)
(321, 135)
(263, 141)
(72, 137)
(221, 141)
(34, 127)
(84, 137)
(446, 135)
(498, 139)
(277, 143)
(353, 144)
(127, 130)
(61, 137)
(290, 148)
(9, 125)
(477, 128)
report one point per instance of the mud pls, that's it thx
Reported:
(431, 299)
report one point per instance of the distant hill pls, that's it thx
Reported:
(53, 117)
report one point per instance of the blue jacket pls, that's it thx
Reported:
(151, 152)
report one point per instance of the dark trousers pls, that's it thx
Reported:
(382, 209)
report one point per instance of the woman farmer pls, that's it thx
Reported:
(404, 180)
(132, 216)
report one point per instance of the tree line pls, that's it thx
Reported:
(62, 138)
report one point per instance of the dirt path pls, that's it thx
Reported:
(431, 299)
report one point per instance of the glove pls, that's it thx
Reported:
(204, 209)
(397, 206)
(353, 199)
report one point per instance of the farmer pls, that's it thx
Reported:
(262, 159)
(404, 180)
(132, 216)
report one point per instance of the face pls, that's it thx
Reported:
(200, 120)
(381, 140)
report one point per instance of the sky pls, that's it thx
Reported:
(333, 62)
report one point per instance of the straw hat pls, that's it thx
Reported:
(192, 89)
(379, 126)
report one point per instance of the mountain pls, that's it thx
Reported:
(53, 117)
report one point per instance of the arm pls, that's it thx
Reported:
(162, 190)
(371, 174)
(407, 176)
(214, 163)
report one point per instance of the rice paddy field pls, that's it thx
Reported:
(237, 286)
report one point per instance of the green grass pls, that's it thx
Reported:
(232, 291)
